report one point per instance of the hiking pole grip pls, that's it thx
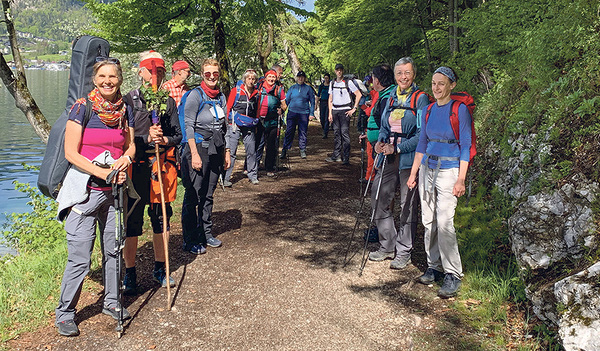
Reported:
(165, 234)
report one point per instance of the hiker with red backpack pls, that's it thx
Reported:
(241, 109)
(271, 104)
(397, 138)
(445, 148)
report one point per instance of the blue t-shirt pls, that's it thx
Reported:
(438, 127)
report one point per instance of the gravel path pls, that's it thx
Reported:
(278, 282)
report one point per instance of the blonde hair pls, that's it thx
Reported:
(103, 63)
(210, 62)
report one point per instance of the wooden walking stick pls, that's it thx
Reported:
(165, 233)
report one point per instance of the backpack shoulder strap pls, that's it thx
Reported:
(87, 115)
(136, 99)
(414, 99)
(428, 112)
(454, 118)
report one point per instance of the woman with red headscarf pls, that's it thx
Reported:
(271, 104)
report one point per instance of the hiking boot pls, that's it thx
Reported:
(331, 159)
(67, 328)
(254, 181)
(430, 276)
(283, 154)
(380, 255)
(227, 184)
(130, 284)
(346, 163)
(213, 242)
(400, 263)
(450, 286)
(160, 276)
(196, 249)
(112, 311)
(302, 153)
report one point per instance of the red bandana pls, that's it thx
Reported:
(212, 93)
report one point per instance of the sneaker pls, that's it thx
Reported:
(346, 163)
(450, 286)
(270, 174)
(245, 172)
(130, 284)
(302, 153)
(431, 275)
(197, 249)
(227, 184)
(324, 136)
(399, 263)
(160, 276)
(380, 255)
(283, 154)
(112, 311)
(67, 328)
(254, 181)
(331, 159)
(213, 242)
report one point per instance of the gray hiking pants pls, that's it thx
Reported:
(248, 136)
(341, 135)
(80, 226)
(391, 240)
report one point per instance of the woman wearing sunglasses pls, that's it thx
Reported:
(167, 134)
(204, 157)
(100, 154)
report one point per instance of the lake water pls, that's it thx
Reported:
(19, 143)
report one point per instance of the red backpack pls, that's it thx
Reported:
(457, 99)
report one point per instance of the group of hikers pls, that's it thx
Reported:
(115, 139)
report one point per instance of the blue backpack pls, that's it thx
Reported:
(205, 100)
(238, 118)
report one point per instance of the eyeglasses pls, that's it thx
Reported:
(405, 73)
(207, 75)
(109, 59)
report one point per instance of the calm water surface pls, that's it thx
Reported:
(19, 143)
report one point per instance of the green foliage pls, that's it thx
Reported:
(36, 230)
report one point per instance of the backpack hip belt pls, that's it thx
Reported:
(439, 160)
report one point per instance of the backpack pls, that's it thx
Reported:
(361, 88)
(238, 118)
(373, 123)
(205, 100)
(54, 165)
(458, 99)
(273, 101)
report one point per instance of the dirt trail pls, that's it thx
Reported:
(277, 283)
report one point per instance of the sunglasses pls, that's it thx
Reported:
(109, 59)
(207, 75)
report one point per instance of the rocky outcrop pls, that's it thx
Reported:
(552, 234)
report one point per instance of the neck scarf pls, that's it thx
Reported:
(212, 93)
(110, 113)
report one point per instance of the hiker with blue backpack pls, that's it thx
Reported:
(300, 99)
(397, 138)
(442, 158)
(204, 157)
(144, 171)
(241, 109)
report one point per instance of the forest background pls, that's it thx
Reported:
(531, 65)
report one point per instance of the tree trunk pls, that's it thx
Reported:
(220, 47)
(17, 86)
(263, 54)
(292, 56)
(453, 28)
(425, 37)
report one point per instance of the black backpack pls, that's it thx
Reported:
(54, 166)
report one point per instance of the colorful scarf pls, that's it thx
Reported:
(212, 93)
(110, 113)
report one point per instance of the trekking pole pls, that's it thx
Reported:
(117, 192)
(364, 256)
(358, 213)
(165, 233)
(363, 146)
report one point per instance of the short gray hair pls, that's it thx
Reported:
(406, 60)
(248, 73)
